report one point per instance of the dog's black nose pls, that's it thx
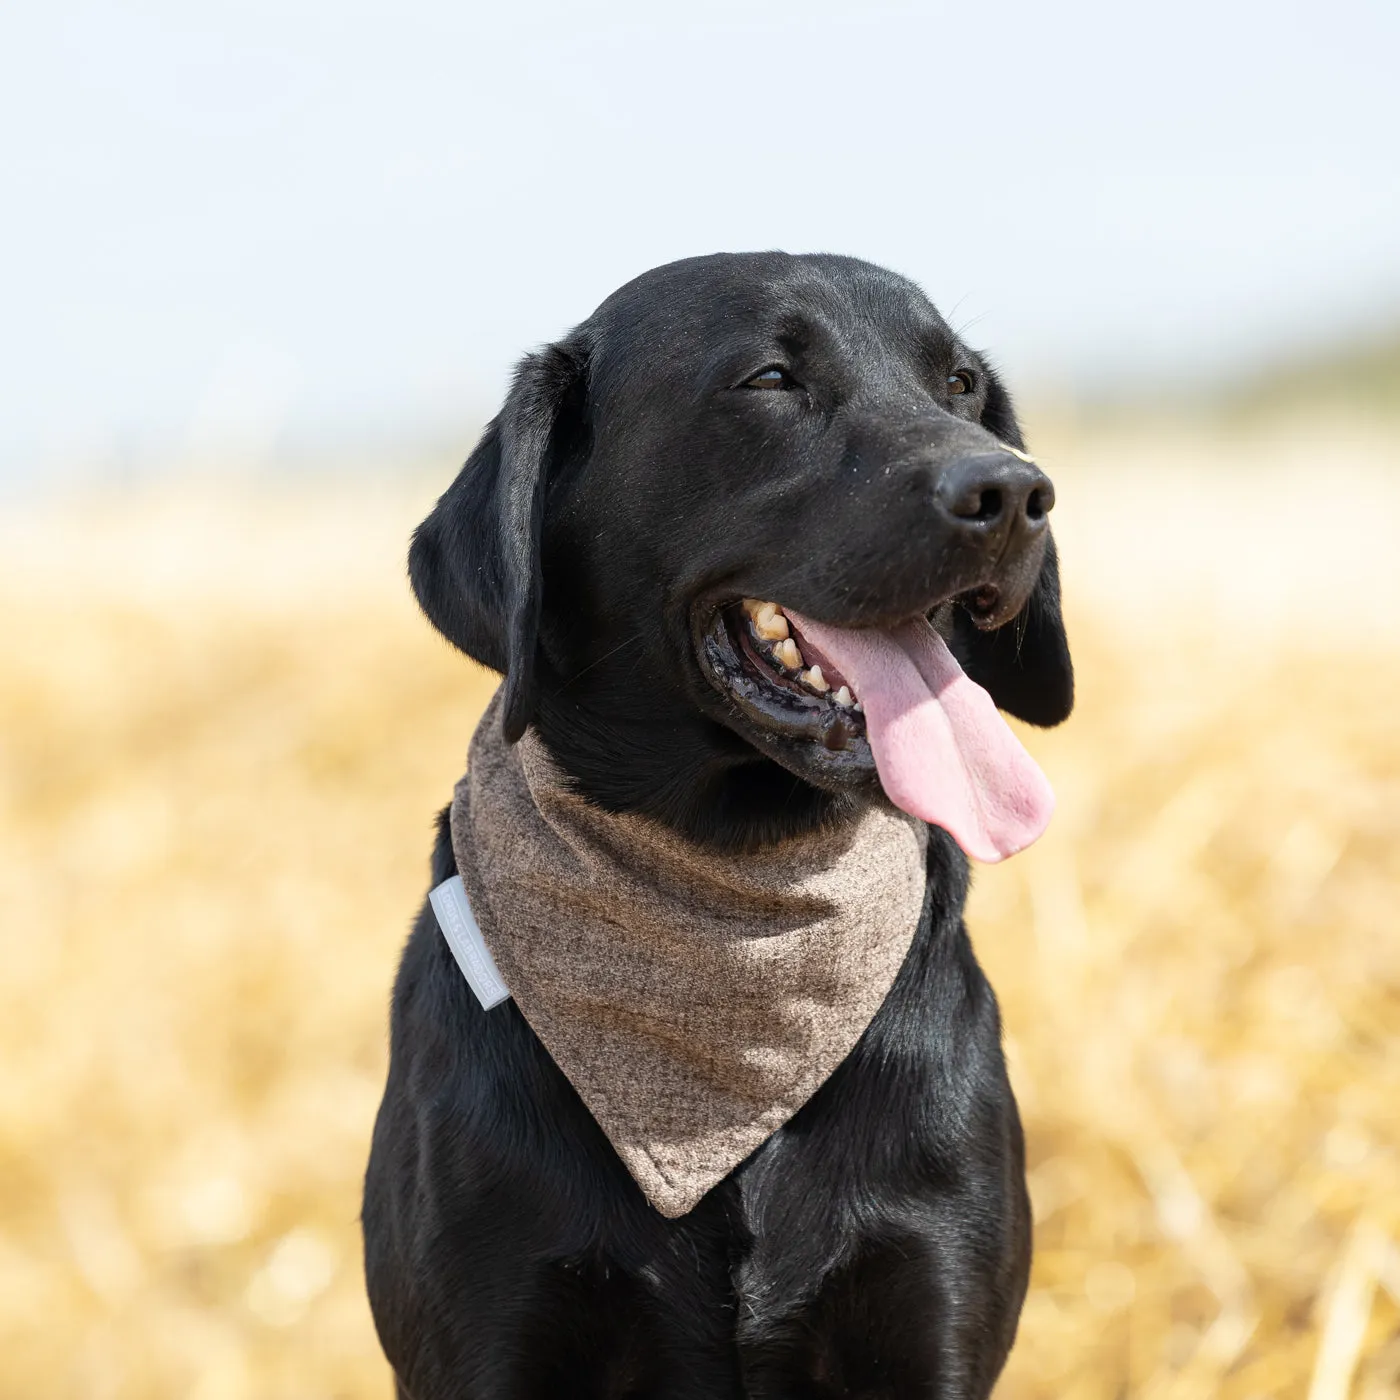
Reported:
(995, 490)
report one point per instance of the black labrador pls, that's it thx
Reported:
(800, 428)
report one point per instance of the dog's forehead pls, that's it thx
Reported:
(686, 311)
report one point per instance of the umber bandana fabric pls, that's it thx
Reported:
(695, 1000)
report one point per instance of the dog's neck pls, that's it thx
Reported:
(698, 777)
(694, 998)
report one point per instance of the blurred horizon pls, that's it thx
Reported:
(249, 234)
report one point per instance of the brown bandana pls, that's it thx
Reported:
(696, 1000)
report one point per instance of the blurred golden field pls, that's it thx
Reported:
(224, 733)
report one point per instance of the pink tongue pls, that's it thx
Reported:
(942, 751)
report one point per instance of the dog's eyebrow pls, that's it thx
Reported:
(794, 331)
(940, 350)
(786, 335)
(734, 358)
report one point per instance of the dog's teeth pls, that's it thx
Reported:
(843, 697)
(767, 619)
(770, 624)
(858, 708)
(814, 680)
(787, 653)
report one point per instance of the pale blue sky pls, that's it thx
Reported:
(253, 227)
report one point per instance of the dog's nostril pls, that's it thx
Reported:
(992, 492)
(982, 504)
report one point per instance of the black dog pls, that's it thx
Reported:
(804, 429)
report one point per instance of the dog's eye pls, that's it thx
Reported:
(772, 378)
(961, 382)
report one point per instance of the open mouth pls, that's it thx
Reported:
(831, 702)
(785, 682)
(753, 655)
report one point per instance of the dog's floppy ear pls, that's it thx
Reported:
(1025, 665)
(475, 561)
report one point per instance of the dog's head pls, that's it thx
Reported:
(728, 432)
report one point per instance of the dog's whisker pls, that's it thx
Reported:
(598, 660)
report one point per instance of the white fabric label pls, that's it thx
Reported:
(459, 928)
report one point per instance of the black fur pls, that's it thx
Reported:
(878, 1244)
